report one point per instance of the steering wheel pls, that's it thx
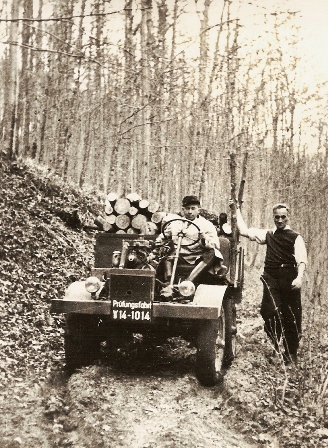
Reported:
(182, 232)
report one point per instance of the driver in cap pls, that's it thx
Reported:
(199, 247)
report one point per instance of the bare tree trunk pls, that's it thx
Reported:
(203, 53)
(26, 71)
(216, 67)
(146, 42)
(10, 93)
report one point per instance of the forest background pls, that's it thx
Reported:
(154, 96)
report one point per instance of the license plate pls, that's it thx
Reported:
(124, 310)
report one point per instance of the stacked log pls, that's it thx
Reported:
(134, 215)
(130, 214)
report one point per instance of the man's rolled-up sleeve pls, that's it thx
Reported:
(258, 235)
(300, 250)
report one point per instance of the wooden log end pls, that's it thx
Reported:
(133, 211)
(110, 219)
(108, 227)
(122, 222)
(153, 206)
(112, 197)
(132, 231)
(99, 222)
(133, 197)
(143, 204)
(122, 206)
(138, 221)
(158, 217)
(108, 208)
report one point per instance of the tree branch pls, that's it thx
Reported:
(47, 50)
(54, 19)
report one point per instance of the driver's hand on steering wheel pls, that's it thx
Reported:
(209, 244)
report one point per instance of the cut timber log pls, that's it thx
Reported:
(143, 204)
(139, 221)
(122, 221)
(130, 214)
(153, 206)
(108, 208)
(133, 211)
(158, 217)
(108, 227)
(134, 198)
(122, 206)
(112, 197)
(110, 219)
(103, 225)
(99, 221)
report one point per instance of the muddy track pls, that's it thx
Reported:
(142, 398)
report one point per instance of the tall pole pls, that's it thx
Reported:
(234, 228)
(237, 198)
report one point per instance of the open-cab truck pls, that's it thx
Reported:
(126, 295)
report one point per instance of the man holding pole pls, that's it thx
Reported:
(284, 266)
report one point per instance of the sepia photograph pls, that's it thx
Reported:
(163, 183)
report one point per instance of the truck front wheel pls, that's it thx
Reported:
(81, 340)
(210, 350)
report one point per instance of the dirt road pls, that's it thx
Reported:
(145, 399)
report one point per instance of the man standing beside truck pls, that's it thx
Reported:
(284, 266)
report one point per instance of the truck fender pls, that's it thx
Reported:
(76, 292)
(210, 295)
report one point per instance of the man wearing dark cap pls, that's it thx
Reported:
(205, 253)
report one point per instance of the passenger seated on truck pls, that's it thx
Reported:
(204, 255)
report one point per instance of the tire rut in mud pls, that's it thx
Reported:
(142, 398)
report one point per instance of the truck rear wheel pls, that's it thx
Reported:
(81, 340)
(210, 350)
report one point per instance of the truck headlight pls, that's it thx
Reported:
(92, 284)
(186, 288)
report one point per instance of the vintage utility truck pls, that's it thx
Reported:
(127, 295)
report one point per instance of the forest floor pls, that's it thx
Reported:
(146, 398)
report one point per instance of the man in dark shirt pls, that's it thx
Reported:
(284, 266)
